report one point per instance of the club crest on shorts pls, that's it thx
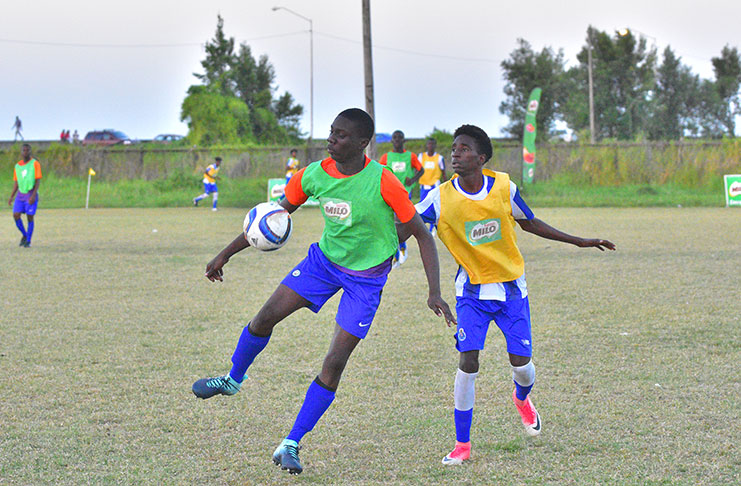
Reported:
(461, 334)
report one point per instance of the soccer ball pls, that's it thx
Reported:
(267, 226)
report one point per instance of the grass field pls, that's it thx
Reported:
(106, 323)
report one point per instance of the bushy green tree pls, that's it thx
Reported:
(727, 69)
(675, 106)
(525, 70)
(623, 79)
(239, 77)
(215, 118)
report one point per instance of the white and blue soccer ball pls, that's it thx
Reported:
(267, 226)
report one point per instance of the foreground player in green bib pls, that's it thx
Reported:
(358, 199)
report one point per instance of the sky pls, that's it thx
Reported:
(89, 65)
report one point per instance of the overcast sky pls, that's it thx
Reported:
(127, 65)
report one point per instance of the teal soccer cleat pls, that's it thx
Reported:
(286, 456)
(220, 385)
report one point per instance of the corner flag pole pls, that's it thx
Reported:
(90, 174)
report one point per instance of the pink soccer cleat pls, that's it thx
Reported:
(461, 453)
(530, 416)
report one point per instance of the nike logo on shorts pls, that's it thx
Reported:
(363, 325)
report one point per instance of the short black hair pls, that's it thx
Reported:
(26, 145)
(293, 150)
(398, 131)
(362, 119)
(218, 159)
(483, 142)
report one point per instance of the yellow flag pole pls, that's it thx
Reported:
(90, 174)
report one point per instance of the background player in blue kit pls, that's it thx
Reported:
(25, 194)
(209, 184)
(476, 213)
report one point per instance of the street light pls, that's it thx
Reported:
(311, 70)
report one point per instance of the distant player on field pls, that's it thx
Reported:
(476, 211)
(408, 170)
(433, 164)
(359, 199)
(209, 184)
(292, 165)
(26, 180)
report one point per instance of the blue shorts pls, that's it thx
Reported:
(316, 279)
(209, 188)
(512, 317)
(423, 190)
(21, 205)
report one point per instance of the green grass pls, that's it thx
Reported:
(179, 189)
(106, 324)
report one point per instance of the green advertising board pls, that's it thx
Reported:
(276, 188)
(733, 189)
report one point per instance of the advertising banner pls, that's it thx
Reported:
(528, 138)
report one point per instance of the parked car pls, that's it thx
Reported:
(106, 137)
(167, 138)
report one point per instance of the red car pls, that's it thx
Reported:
(106, 137)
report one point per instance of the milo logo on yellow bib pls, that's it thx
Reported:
(337, 210)
(485, 231)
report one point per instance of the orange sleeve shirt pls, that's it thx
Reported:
(415, 162)
(36, 168)
(392, 192)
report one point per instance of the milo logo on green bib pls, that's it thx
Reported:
(485, 231)
(337, 210)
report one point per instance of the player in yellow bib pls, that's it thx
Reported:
(433, 164)
(476, 212)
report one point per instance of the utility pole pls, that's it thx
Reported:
(591, 84)
(368, 65)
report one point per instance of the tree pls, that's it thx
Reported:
(215, 118)
(623, 79)
(727, 70)
(674, 108)
(525, 70)
(219, 60)
(229, 78)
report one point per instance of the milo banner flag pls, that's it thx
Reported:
(528, 138)
(277, 188)
(733, 189)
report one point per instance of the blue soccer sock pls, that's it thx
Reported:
(403, 245)
(19, 224)
(524, 378)
(317, 401)
(248, 347)
(463, 421)
(521, 392)
(216, 199)
(29, 233)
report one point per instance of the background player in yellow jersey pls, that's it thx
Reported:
(406, 167)
(209, 183)
(476, 212)
(433, 164)
(292, 165)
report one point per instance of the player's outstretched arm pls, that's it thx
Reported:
(214, 268)
(428, 252)
(544, 230)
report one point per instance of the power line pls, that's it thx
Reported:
(133, 46)
(406, 51)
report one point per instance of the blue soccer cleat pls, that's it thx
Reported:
(220, 385)
(286, 456)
